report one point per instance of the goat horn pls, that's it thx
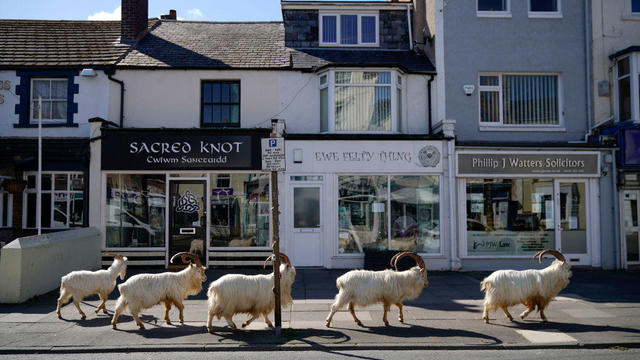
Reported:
(114, 255)
(270, 257)
(188, 257)
(391, 262)
(285, 259)
(555, 253)
(412, 255)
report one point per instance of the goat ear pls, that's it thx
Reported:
(125, 259)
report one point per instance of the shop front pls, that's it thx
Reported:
(346, 198)
(629, 185)
(167, 191)
(514, 204)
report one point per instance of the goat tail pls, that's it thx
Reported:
(486, 286)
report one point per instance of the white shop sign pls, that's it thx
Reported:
(364, 156)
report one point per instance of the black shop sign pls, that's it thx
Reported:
(179, 150)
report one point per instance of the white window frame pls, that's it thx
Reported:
(67, 191)
(337, 14)
(634, 83)
(9, 209)
(33, 120)
(500, 126)
(545, 14)
(506, 13)
(331, 111)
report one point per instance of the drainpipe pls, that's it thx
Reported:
(409, 26)
(121, 83)
(616, 215)
(454, 260)
(587, 54)
(431, 78)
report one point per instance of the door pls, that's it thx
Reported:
(187, 218)
(572, 219)
(630, 217)
(306, 225)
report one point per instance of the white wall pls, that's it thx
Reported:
(92, 100)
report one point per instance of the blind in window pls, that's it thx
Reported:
(530, 99)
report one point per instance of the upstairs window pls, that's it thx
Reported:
(519, 100)
(624, 89)
(54, 100)
(635, 6)
(545, 8)
(493, 8)
(349, 29)
(220, 104)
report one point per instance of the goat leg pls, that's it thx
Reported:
(400, 315)
(353, 313)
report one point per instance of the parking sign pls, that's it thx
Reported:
(273, 158)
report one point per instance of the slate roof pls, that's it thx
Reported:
(313, 59)
(211, 45)
(60, 43)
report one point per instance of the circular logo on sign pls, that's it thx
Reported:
(429, 156)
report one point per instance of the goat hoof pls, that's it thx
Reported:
(486, 321)
(105, 311)
(244, 325)
(114, 327)
(83, 317)
(210, 330)
(59, 316)
(386, 323)
(97, 311)
(359, 323)
(327, 324)
(169, 323)
(401, 320)
(141, 327)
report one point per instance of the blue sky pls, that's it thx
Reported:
(206, 10)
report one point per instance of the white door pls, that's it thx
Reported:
(306, 224)
(630, 218)
(572, 219)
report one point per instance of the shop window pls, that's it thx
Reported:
(220, 104)
(135, 210)
(513, 100)
(62, 200)
(349, 29)
(240, 210)
(361, 101)
(509, 216)
(388, 212)
(6, 208)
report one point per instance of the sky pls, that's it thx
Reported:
(198, 10)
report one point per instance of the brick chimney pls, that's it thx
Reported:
(135, 20)
(173, 15)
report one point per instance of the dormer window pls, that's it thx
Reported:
(349, 28)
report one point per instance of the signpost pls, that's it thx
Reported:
(273, 160)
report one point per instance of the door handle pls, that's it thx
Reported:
(187, 231)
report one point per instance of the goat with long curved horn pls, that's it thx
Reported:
(187, 258)
(555, 253)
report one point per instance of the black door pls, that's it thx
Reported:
(187, 218)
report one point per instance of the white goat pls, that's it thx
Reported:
(364, 288)
(143, 291)
(504, 288)
(249, 294)
(83, 283)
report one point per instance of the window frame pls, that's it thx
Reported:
(202, 104)
(393, 85)
(495, 14)
(32, 80)
(338, 42)
(53, 191)
(634, 85)
(4, 194)
(513, 127)
(545, 14)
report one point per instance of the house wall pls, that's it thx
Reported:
(518, 43)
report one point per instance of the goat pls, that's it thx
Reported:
(83, 283)
(504, 288)
(365, 287)
(249, 294)
(143, 291)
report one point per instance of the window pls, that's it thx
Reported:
(545, 8)
(62, 200)
(353, 101)
(519, 100)
(54, 100)
(220, 104)
(135, 210)
(379, 212)
(349, 29)
(635, 6)
(6, 208)
(624, 89)
(494, 8)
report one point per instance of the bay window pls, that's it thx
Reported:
(519, 100)
(626, 75)
(357, 101)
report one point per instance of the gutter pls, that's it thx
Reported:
(431, 78)
(121, 83)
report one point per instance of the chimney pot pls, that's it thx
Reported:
(135, 20)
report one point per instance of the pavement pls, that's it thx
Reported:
(599, 309)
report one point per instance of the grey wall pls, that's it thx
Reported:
(517, 44)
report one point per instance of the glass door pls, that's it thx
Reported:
(572, 220)
(307, 226)
(630, 216)
(187, 218)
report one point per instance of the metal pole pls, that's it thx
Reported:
(275, 214)
(39, 180)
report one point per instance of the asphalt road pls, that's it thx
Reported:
(581, 354)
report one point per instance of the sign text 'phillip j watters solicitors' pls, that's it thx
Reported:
(138, 150)
(579, 164)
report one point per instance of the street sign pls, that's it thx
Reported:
(273, 154)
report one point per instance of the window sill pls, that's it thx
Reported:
(631, 16)
(523, 129)
(336, 45)
(543, 15)
(493, 14)
(45, 125)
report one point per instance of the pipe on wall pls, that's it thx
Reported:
(121, 83)
(409, 26)
(430, 116)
